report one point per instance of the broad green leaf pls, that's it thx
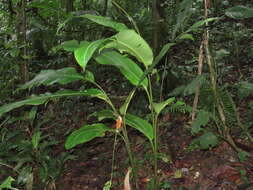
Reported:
(198, 24)
(158, 58)
(85, 134)
(208, 140)
(127, 67)
(239, 12)
(131, 42)
(141, 125)
(43, 98)
(158, 107)
(86, 50)
(106, 22)
(201, 120)
(50, 77)
(186, 37)
(70, 45)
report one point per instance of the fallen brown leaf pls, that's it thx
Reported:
(126, 180)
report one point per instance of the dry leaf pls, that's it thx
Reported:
(126, 180)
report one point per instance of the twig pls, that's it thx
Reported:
(197, 89)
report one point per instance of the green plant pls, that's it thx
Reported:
(7, 184)
(27, 153)
(128, 43)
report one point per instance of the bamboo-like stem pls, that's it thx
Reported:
(197, 89)
(219, 104)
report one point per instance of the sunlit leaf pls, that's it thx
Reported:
(131, 42)
(7, 184)
(50, 77)
(158, 107)
(86, 50)
(106, 22)
(85, 134)
(127, 67)
(239, 12)
(141, 125)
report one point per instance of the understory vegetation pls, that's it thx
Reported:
(133, 95)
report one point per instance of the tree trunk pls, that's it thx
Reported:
(21, 41)
(158, 16)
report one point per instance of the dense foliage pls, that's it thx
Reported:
(125, 65)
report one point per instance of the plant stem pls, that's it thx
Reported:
(155, 119)
(128, 148)
(155, 131)
(113, 155)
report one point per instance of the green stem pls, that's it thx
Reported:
(155, 131)
(155, 119)
(128, 148)
(108, 100)
(113, 155)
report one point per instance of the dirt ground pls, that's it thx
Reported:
(179, 167)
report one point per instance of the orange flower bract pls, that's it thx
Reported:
(119, 122)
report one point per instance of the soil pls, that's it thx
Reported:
(179, 167)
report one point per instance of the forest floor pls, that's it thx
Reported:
(215, 169)
(181, 167)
